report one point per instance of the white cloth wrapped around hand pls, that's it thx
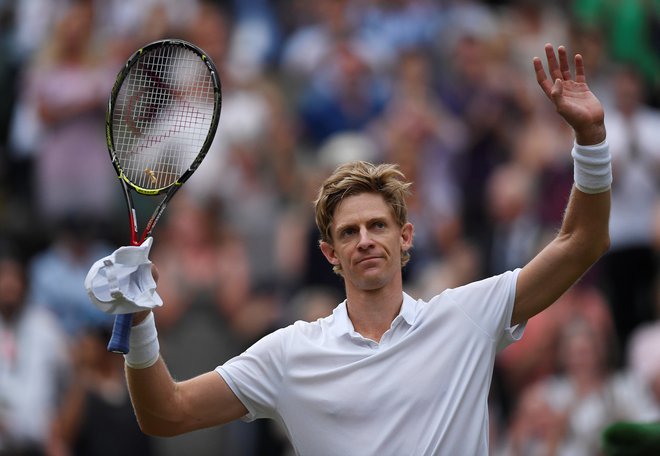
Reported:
(122, 282)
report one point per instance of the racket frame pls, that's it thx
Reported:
(119, 342)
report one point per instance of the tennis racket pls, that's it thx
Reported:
(162, 116)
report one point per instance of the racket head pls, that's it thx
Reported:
(162, 115)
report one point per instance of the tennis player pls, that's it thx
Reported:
(387, 374)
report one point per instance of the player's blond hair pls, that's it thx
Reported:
(358, 177)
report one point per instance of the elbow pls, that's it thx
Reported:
(600, 245)
(595, 248)
(607, 243)
(150, 430)
(585, 249)
(159, 428)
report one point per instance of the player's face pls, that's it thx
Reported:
(367, 242)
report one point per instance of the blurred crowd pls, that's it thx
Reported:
(444, 88)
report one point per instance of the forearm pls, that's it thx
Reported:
(582, 239)
(585, 226)
(154, 396)
(584, 232)
(150, 384)
(164, 407)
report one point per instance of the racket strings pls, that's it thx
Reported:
(163, 116)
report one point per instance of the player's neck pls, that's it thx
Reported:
(373, 311)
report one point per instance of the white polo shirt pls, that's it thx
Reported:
(422, 390)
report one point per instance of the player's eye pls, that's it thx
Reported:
(347, 232)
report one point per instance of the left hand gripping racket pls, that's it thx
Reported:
(161, 120)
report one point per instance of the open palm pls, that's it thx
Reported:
(571, 96)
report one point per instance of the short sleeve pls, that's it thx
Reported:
(255, 376)
(489, 304)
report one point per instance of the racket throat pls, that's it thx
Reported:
(134, 227)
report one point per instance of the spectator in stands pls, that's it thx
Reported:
(34, 364)
(629, 268)
(566, 413)
(69, 84)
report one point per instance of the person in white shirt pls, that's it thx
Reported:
(387, 374)
(35, 364)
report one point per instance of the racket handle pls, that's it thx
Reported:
(121, 332)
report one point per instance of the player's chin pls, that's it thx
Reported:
(371, 280)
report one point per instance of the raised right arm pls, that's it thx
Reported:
(165, 408)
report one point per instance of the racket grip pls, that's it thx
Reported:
(121, 332)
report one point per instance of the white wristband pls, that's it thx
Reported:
(592, 167)
(143, 349)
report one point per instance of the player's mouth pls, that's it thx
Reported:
(369, 258)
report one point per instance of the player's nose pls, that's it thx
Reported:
(365, 240)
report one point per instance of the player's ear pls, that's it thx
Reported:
(407, 234)
(329, 252)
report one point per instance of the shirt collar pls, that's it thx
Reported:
(341, 324)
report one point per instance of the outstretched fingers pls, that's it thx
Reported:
(564, 68)
(558, 70)
(553, 64)
(541, 77)
(579, 69)
(570, 95)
